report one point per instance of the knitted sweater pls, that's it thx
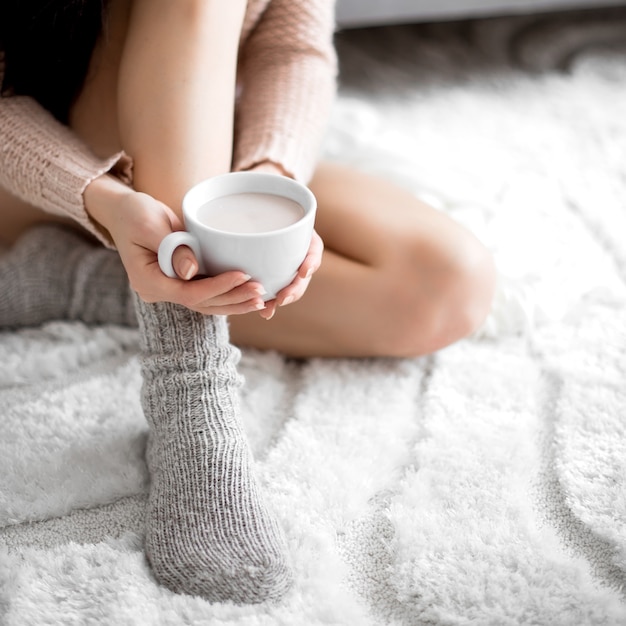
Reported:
(287, 76)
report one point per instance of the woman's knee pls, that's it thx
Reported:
(470, 291)
(432, 305)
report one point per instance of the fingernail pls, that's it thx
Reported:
(309, 272)
(287, 300)
(187, 269)
(259, 305)
(242, 280)
(269, 317)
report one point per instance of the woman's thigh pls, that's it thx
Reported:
(16, 216)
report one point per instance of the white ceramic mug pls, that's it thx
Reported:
(271, 255)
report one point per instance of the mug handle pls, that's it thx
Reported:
(170, 243)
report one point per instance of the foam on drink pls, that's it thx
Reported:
(250, 212)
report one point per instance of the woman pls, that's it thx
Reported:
(186, 90)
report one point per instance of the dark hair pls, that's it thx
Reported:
(47, 46)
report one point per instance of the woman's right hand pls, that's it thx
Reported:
(137, 223)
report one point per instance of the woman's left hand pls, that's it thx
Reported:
(294, 291)
(310, 265)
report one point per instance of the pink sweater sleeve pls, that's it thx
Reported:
(43, 162)
(288, 78)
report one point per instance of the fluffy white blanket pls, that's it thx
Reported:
(482, 485)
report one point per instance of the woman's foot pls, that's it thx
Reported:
(53, 272)
(209, 533)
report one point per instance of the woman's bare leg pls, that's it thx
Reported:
(162, 87)
(398, 278)
(176, 92)
(17, 216)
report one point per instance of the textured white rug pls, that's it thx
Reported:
(484, 485)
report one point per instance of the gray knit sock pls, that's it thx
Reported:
(54, 273)
(208, 531)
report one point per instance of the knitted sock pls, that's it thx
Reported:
(208, 531)
(54, 273)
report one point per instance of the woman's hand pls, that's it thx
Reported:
(137, 223)
(310, 265)
(298, 286)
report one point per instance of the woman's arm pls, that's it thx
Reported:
(45, 164)
(288, 79)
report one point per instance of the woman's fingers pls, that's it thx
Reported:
(204, 294)
(293, 292)
(247, 293)
(267, 312)
(234, 293)
(185, 263)
(298, 286)
(227, 288)
(313, 259)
